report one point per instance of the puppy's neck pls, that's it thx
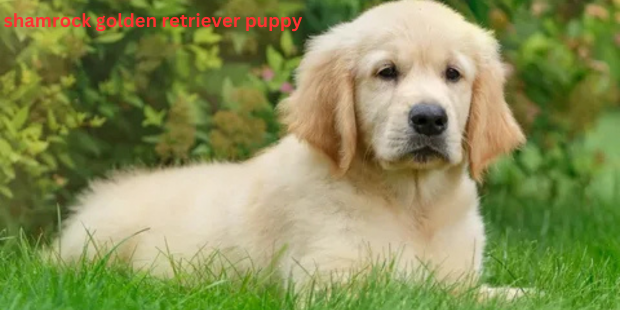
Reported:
(408, 188)
(429, 199)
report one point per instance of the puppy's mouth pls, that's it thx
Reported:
(418, 152)
(419, 157)
(428, 153)
(423, 149)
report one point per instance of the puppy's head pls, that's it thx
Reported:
(409, 85)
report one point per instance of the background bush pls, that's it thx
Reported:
(75, 102)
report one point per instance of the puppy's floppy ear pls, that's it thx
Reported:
(321, 111)
(491, 130)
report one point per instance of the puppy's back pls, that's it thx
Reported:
(138, 214)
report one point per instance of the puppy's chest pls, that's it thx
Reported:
(390, 225)
(449, 232)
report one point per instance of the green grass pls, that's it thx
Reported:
(570, 251)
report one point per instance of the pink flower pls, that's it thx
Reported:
(286, 88)
(267, 74)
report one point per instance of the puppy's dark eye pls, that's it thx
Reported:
(388, 73)
(453, 75)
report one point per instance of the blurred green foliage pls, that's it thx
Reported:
(76, 102)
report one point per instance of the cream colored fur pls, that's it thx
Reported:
(336, 193)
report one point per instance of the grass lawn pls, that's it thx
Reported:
(569, 250)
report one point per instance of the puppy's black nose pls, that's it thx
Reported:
(428, 119)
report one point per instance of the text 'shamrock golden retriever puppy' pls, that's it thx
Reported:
(396, 114)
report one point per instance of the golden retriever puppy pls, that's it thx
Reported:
(395, 117)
